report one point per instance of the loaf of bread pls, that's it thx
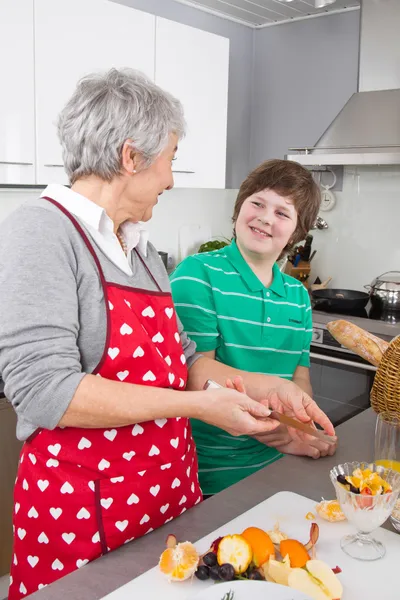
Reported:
(363, 343)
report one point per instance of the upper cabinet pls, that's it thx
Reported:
(17, 141)
(193, 65)
(46, 46)
(72, 39)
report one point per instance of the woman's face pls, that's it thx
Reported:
(265, 224)
(148, 183)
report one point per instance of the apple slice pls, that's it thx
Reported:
(324, 574)
(301, 580)
(317, 580)
(265, 570)
(280, 571)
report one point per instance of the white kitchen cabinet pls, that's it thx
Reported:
(193, 65)
(74, 38)
(17, 145)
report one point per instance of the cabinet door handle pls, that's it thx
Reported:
(56, 165)
(11, 162)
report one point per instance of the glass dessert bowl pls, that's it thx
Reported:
(367, 494)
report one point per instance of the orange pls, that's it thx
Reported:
(297, 553)
(234, 549)
(179, 563)
(261, 545)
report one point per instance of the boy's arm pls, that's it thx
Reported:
(301, 378)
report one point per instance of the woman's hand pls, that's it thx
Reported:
(289, 440)
(234, 412)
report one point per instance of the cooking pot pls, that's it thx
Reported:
(384, 292)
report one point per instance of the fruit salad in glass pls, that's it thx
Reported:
(366, 493)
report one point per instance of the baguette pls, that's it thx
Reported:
(363, 343)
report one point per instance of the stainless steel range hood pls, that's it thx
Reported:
(367, 129)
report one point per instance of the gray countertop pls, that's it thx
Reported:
(301, 475)
(379, 328)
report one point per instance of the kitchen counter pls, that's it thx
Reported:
(380, 328)
(301, 475)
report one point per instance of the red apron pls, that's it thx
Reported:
(82, 492)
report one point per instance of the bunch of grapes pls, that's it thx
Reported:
(210, 569)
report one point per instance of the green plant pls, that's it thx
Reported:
(213, 245)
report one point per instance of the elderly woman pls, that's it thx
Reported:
(93, 357)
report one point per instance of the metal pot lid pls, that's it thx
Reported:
(389, 282)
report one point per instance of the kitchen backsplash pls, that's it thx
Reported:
(362, 240)
(176, 208)
(364, 229)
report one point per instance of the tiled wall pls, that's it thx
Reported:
(175, 208)
(11, 198)
(363, 239)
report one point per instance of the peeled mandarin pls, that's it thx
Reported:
(179, 563)
(330, 510)
(235, 550)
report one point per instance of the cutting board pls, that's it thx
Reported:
(361, 580)
(191, 237)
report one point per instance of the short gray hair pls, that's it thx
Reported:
(107, 109)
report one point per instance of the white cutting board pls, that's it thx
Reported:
(191, 237)
(376, 580)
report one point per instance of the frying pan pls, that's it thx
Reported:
(341, 299)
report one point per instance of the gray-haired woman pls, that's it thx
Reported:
(93, 357)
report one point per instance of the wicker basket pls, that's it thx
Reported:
(385, 394)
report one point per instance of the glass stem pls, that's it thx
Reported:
(363, 538)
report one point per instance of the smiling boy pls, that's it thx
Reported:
(240, 309)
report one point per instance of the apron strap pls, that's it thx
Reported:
(148, 271)
(85, 238)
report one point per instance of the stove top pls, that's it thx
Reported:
(390, 317)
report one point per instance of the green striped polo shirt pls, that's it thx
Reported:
(225, 307)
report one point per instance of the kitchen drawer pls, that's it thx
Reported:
(9, 454)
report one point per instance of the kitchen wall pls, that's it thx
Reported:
(304, 73)
(286, 83)
(362, 241)
(175, 208)
(240, 75)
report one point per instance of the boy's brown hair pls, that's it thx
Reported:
(290, 180)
